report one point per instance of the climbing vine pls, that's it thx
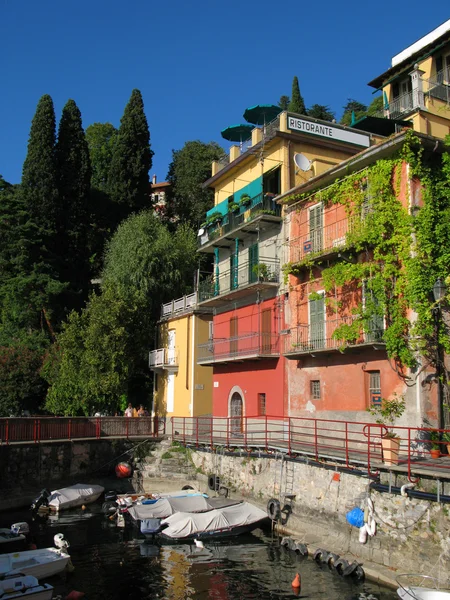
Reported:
(395, 251)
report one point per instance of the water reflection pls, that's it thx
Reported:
(116, 564)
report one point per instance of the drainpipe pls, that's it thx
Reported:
(216, 281)
(236, 264)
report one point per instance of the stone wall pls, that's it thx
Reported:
(26, 469)
(412, 534)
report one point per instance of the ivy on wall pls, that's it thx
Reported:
(397, 252)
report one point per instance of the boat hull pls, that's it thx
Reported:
(41, 563)
(10, 542)
(74, 496)
(217, 534)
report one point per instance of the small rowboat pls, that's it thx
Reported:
(18, 585)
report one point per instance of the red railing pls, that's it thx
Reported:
(352, 444)
(44, 429)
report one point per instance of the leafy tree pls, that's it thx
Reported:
(375, 106)
(320, 111)
(101, 138)
(353, 107)
(283, 102)
(128, 181)
(74, 176)
(190, 167)
(297, 104)
(102, 352)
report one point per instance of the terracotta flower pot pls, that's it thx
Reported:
(391, 448)
(435, 453)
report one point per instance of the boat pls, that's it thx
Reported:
(68, 497)
(15, 538)
(125, 501)
(18, 585)
(421, 587)
(41, 563)
(220, 522)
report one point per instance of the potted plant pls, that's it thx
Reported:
(245, 200)
(446, 440)
(262, 271)
(233, 207)
(387, 412)
(435, 444)
(214, 219)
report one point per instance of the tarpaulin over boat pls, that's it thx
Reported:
(182, 525)
(75, 495)
(165, 507)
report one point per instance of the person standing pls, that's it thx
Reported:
(142, 412)
(129, 411)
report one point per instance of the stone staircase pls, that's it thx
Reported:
(164, 469)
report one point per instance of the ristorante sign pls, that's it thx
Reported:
(328, 131)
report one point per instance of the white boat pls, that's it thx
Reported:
(14, 539)
(41, 563)
(221, 522)
(165, 507)
(18, 585)
(421, 587)
(74, 495)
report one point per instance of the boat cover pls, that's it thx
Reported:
(184, 524)
(74, 495)
(165, 507)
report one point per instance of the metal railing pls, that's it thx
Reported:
(179, 305)
(163, 358)
(246, 273)
(325, 336)
(319, 241)
(438, 86)
(257, 207)
(239, 347)
(353, 444)
(46, 429)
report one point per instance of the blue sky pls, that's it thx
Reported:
(198, 64)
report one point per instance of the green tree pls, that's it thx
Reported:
(297, 104)
(39, 183)
(101, 139)
(74, 177)
(353, 107)
(128, 182)
(102, 353)
(283, 102)
(375, 106)
(189, 169)
(320, 111)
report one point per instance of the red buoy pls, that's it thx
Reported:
(124, 469)
(74, 595)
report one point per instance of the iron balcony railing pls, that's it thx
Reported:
(325, 335)
(44, 429)
(438, 86)
(239, 347)
(264, 272)
(319, 241)
(257, 207)
(349, 443)
(163, 358)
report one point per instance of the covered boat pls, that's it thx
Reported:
(74, 495)
(42, 563)
(221, 522)
(14, 539)
(165, 507)
(17, 585)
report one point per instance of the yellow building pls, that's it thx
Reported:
(416, 88)
(181, 387)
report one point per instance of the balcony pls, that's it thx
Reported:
(244, 222)
(320, 242)
(250, 346)
(245, 278)
(163, 359)
(309, 339)
(180, 306)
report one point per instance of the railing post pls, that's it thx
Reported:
(346, 443)
(69, 429)
(7, 431)
(196, 432)
(245, 424)
(315, 439)
(228, 432)
(212, 432)
(34, 431)
(289, 436)
(39, 430)
(266, 434)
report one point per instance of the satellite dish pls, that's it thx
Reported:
(303, 163)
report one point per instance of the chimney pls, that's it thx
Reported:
(154, 180)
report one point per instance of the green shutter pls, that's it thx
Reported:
(317, 323)
(316, 227)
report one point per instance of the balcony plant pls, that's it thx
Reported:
(262, 271)
(435, 445)
(245, 200)
(387, 413)
(446, 440)
(214, 219)
(233, 207)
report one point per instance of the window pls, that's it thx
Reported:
(316, 227)
(374, 388)
(211, 330)
(315, 389)
(261, 404)
(317, 322)
(374, 326)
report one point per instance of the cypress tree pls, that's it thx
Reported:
(132, 159)
(73, 178)
(39, 187)
(297, 104)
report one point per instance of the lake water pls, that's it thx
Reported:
(115, 564)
